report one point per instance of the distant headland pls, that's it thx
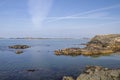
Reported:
(100, 44)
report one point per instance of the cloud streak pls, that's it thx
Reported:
(39, 10)
(88, 13)
(86, 17)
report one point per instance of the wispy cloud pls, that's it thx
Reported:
(88, 14)
(97, 14)
(85, 17)
(39, 10)
(110, 23)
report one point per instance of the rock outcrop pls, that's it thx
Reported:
(67, 78)
(97, 73)
(18, 51)
(100, 44)
(19, 46)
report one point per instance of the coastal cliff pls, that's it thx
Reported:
(100, 44)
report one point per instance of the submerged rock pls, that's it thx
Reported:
(19, 46)
(100, 44)
(32, 70)
(97, 73)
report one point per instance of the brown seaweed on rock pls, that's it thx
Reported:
(100, 44)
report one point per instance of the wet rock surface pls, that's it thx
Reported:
(100, 44)
(97, 73)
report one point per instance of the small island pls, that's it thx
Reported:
(17, 47)
(100, 44)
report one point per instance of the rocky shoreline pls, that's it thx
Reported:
(97, 73)
(100, 44)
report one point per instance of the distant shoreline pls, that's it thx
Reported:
(43, 38)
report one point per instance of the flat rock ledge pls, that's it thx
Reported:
(97, 73)
(100, 44)
(19, 46)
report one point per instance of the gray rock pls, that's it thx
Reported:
(98, 73)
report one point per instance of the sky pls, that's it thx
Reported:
(59, 18)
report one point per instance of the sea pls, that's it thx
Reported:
(45, 64)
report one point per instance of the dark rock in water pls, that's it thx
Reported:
(18, 51)
(100, 44)
(97, 73)
(31, 70)
(19, 46)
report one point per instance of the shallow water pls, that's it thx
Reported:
(47, 65)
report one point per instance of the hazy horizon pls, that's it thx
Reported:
(59, 18)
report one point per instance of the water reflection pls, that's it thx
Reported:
(40, 63)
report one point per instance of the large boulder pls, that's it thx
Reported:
(97, 73)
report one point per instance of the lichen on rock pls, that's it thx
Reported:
(97, 73)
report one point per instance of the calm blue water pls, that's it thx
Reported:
(41, 57)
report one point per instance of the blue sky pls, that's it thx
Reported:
(59, 18)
